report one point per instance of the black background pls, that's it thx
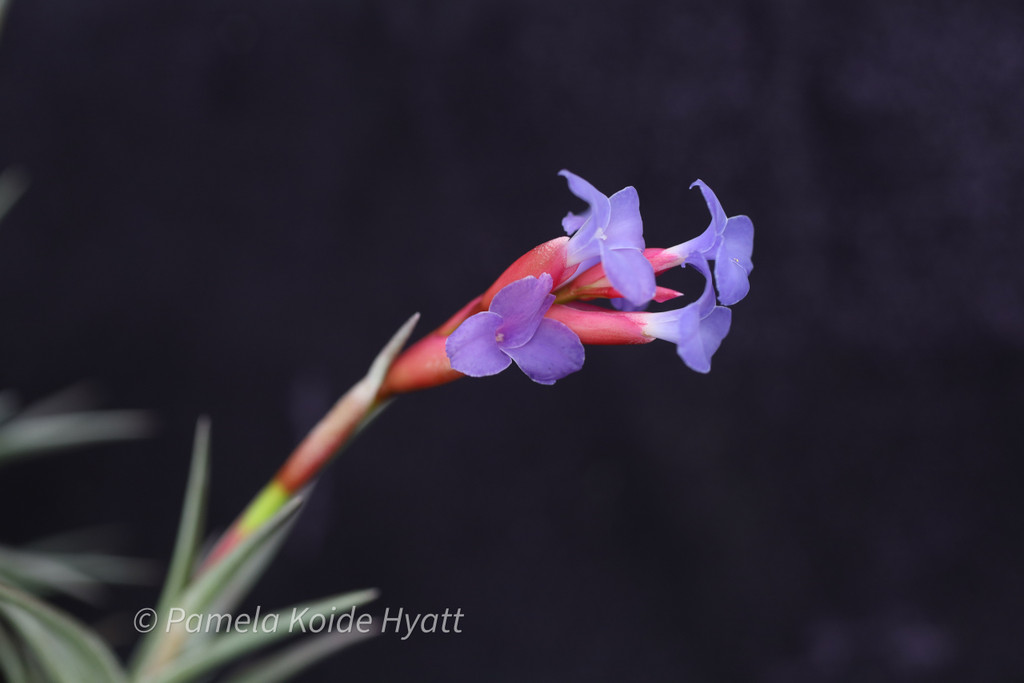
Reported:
(234, 204)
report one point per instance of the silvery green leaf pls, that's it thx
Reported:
(12, 659)
(42, 575)
(24, 436)
(190, 532)
(193, 514)
(80, 575)
(65, 649)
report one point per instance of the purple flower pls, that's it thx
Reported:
(610, 231)
(515, 329)
(698, 328)
(729, 242)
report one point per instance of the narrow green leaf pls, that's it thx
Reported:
(60, 641)
(25, 436)
(80, 575)
(279, 625)
(43, 575)
(193, 514)
(110, 569)
(12, 659)
(293, 660)
(190, 533)
(34, 670)
(56, 657)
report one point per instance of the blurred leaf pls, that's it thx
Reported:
(190, 531)
(76, 398)
(13, 179)
(56, 657)
(193, 514)
(66, 564)
(107, 568)
(64, 649)
(285, 665)
(79, 575)
(12, 660)
(25, 436)
(43, 575)
(228, 647)
(8, 405)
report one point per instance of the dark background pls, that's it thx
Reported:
(233, 205)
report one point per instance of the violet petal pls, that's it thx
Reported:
(706, 302)
(699, 338)
(521, 305)
(599, 210)
(732, 261)
(718, 217)
(630, 273)
(625, 227)
(554, 352)
(472, 348)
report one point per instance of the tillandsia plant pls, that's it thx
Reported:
(539, 314)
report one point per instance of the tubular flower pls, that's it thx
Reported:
(610, 231)
(537, 313)
(728, 242)
(696, 329)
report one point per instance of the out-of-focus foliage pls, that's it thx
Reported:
(40, 644)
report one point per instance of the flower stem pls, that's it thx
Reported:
(343, 421)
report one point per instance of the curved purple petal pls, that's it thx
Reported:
(599, 210)
(554, 352)
(732, 261)
(472, 348)
(625, 227)
(699, 338)
(521, 305)
(718, 217)
(707, 242)
(630, 273)
(706, 302)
